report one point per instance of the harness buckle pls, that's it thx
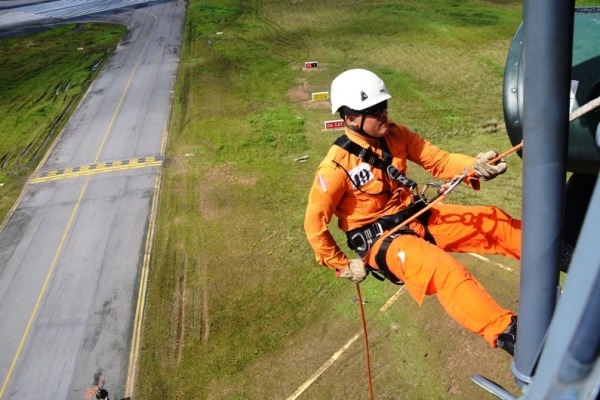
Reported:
(361, 240)
(395, 174)
(358, 242)
(378, 229)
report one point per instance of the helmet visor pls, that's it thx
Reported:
(376, 110)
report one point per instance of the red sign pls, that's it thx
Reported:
(311, 65)
(336, 124)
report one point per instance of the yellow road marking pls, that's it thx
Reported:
(141, 300)
(110, 166)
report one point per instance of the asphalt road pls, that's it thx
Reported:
(74, 252)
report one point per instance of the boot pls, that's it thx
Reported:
(507, 339)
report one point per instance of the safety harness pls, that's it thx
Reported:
(361, 239)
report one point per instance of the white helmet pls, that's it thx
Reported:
(357, 89)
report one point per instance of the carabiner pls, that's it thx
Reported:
(426, 187)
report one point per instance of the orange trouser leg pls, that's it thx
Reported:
(476, 229)
(427, 269)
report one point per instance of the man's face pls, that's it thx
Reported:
(375, 120)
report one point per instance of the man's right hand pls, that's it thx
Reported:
(488, 171)
(354, 271)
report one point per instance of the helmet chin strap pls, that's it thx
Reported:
(361, 130)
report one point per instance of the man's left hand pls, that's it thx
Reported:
(488, 171)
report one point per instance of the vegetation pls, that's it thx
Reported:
(44, 75)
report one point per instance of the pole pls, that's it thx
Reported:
(547, 46)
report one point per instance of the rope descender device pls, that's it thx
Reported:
(443, 189)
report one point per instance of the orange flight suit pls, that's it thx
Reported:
(358, 194)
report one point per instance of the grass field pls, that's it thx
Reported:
(237, 307)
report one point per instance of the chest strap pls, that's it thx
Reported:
(372, 158)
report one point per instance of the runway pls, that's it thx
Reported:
(74, 252)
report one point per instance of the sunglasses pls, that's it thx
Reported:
(376, 110)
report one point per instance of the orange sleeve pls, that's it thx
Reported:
(436, 161)
(326, 192)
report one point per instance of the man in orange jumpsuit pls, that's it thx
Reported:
(362, 182)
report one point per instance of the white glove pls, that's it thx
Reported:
(488, 171)
(354, 271)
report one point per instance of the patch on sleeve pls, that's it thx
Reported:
(323, 183)
(361, 175)
(402, 257)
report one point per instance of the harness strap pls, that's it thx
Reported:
(380, 257)
(372, 158)
(361, 239)
(423, 218)
(382, 263)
